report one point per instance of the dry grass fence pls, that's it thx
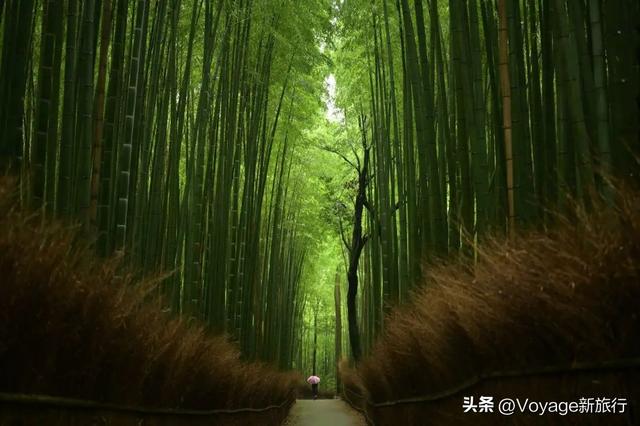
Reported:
(69, 329)
(553, 315)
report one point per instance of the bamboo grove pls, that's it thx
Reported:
(190, 137)
(457, 127)
(168, 129)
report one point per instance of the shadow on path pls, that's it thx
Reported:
(323, 412)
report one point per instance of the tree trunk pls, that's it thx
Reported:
(315, 339)
(338, 331)
(357, 244)
(505, 92)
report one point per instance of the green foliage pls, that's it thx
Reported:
(211, 153)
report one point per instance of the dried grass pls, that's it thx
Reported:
(567, 295)
(69, 329)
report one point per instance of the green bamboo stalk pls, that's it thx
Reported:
(126, 147)
(85, 113)
(602, 118)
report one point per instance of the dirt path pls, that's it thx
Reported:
(323, 412)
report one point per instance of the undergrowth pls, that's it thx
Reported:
(559, 297)
(77, 327)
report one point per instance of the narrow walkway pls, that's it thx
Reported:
(323, 412)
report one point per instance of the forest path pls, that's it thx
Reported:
(323, 412)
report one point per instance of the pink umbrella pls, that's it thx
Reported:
(313, 380)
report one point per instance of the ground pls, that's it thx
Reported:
(323, 412)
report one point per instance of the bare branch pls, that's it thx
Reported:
(344, 239)
(369, 207)
(355, 153)
(338, 153)
(364, 240)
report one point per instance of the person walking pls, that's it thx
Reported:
(313, 381)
